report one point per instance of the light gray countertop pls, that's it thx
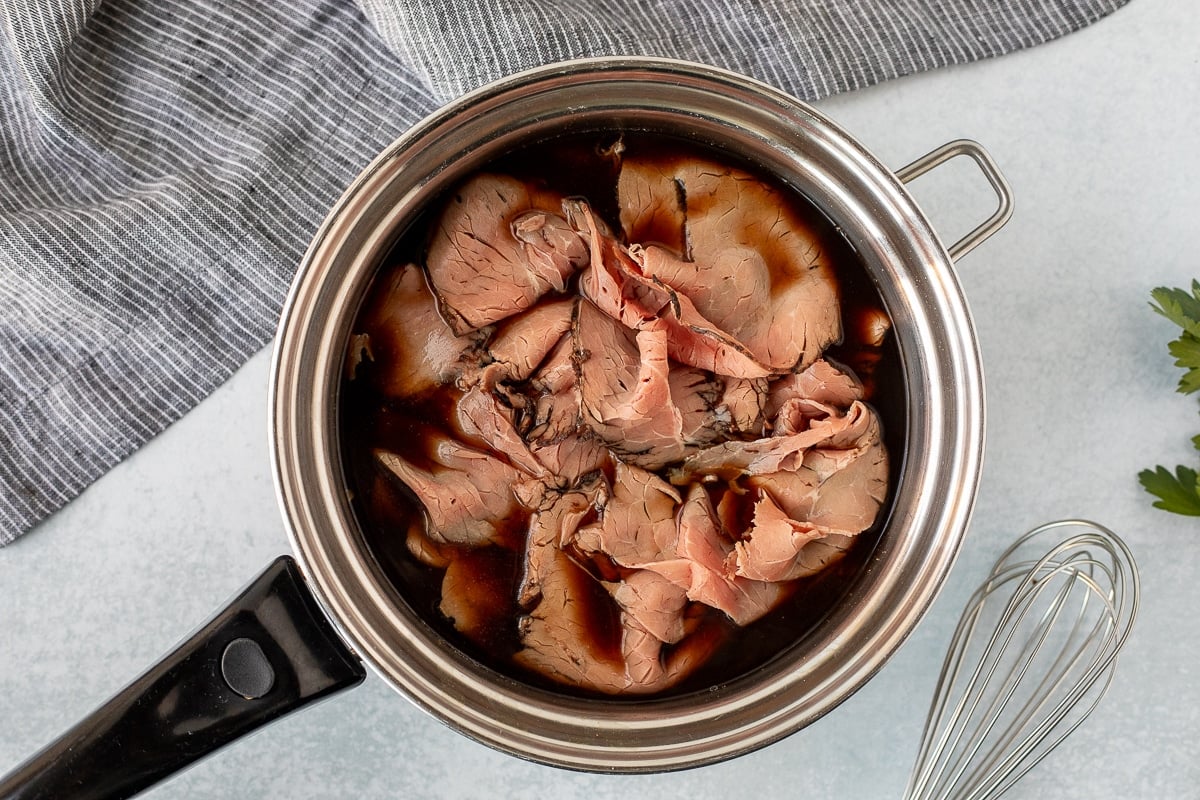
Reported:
(1097, 134)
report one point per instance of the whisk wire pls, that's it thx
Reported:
(1010, 741)
(984, 676)
(931, 769)
(1044, 666)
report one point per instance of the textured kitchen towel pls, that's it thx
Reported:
(163, 164)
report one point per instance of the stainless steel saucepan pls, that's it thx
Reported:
(305, 627)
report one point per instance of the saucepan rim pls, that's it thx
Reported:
(939, 470)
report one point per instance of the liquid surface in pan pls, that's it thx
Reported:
(541, 572)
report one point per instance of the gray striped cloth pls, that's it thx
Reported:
(164, 163)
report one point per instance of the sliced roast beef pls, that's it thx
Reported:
(551, 525)
(696, 395)
(750, 251)
(520, 344)
(615, 284)
(652, 204)
(734, 458)
(500, 244)
(560, 642)
(643, 653)
(476, 592)
(796, 491)
(769, 549)
(631, 398)
(425, 549)
(652, 616)
(821, 382)
(742, 406)
(552, 247)
(558, 636)
(637, 525)
(656, 604)
(485, 421)
(573, 457)
(413, 348)
(730, 288)
(557, 405)
(702, 565)
(467, 494)
(839, 489)
(850, 498)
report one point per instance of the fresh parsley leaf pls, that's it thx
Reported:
(1180, 307)
(1186, 350)
(1178, 493)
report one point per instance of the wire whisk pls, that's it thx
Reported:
(1032, 656)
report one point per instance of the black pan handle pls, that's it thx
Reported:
(270, 651)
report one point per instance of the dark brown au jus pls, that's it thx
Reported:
(586, 165)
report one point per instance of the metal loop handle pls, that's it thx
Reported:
(966, 147)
